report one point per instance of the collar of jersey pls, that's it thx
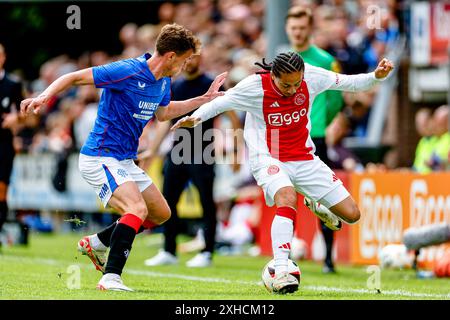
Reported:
(275, 87)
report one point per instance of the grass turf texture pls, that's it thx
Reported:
(40, 271)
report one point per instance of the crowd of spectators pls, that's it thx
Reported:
(357, 33)
(433, 149)
(232, 33)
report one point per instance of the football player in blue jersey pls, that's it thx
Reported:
(134, 91)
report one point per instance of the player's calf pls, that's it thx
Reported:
(161, 216)
(158, 209)
(347, 211)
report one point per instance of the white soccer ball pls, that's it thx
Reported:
(299, 249)
(395, 256)
(268, 273)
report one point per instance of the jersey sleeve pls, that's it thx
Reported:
(113, 75)
(167, 97)
(335, 104)
(241, 97)
(335, 100)
(320, 80)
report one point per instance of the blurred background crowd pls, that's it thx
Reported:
(233, 39)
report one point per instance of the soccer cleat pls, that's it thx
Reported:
(196, 244)
(328, 267)
(328, 218)
(98, 257)
(328, 270)
(161, 259)
(285, 283)
(112, 282)
(201, 260)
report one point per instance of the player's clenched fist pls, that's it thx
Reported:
(186, 122)
(384, 68)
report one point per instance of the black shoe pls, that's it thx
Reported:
(328, 268)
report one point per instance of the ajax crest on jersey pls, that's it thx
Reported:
(300, 99)
(268, 273)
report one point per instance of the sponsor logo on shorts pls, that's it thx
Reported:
(273, 169)
(103, 191)
(122, 173)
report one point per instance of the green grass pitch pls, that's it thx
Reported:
(47, 268)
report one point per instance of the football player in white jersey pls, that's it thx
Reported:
(281, 153)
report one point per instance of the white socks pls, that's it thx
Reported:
(96, 244)
(282, 232)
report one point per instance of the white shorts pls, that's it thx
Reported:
(105, 174)
(312, 178)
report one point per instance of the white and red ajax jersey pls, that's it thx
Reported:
(279, 126)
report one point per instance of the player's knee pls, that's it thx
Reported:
(286, 197)
(353, 214)
(291, 200)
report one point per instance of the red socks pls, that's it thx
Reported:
(287, 212)
(131, 220)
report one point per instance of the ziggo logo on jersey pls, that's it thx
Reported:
(279, 119)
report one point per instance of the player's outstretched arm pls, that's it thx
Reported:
(208, 111)
(245, 96)
(178, 108)
(61, 84)
(321, 79)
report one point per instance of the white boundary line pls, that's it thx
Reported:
(138, 272)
